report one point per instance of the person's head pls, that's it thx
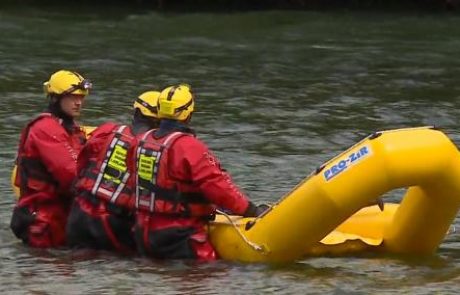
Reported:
(145, 108)
(176, 103)
(66, 91)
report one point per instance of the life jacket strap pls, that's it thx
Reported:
(33, 169)
(112, 208)
(171, 195)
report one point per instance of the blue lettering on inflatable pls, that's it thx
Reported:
(346, 162)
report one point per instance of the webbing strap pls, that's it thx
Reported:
(151, 184)
(35, 169)
(173, 195)
(141, 150)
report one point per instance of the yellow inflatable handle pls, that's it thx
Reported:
(86, 129)
(13, 178)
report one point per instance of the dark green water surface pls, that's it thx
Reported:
(278, 94)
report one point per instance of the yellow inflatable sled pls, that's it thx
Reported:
(302, 223)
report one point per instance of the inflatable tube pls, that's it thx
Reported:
(422, 159)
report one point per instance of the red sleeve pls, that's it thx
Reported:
(83, 157)
(95, 143)
(196, 162)
(53, 146)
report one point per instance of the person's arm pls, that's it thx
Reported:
(205, 171)
(56, 153)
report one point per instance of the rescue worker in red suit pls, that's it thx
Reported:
(102, 215)
(46, 163)
(179, 185)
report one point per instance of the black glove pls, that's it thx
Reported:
(381, 204)
(255, 210)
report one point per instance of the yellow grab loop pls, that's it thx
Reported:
(424, 160)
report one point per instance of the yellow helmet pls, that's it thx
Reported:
(65, 82)
(176, 102)
(147, 103)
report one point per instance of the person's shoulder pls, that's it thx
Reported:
(104, 129)
(188, 141)
(47, 128)
(107, 126)
(44, 122)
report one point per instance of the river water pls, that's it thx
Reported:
(278, 94)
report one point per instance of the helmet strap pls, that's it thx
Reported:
(189, 118)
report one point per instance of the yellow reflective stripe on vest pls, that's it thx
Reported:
(116, 160)
(146, 166)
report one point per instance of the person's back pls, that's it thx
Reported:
(180, 185)
(46, 163)
(102, 213)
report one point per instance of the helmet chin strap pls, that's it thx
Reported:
(189, 118)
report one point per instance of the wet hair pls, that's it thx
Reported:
(54, 107)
